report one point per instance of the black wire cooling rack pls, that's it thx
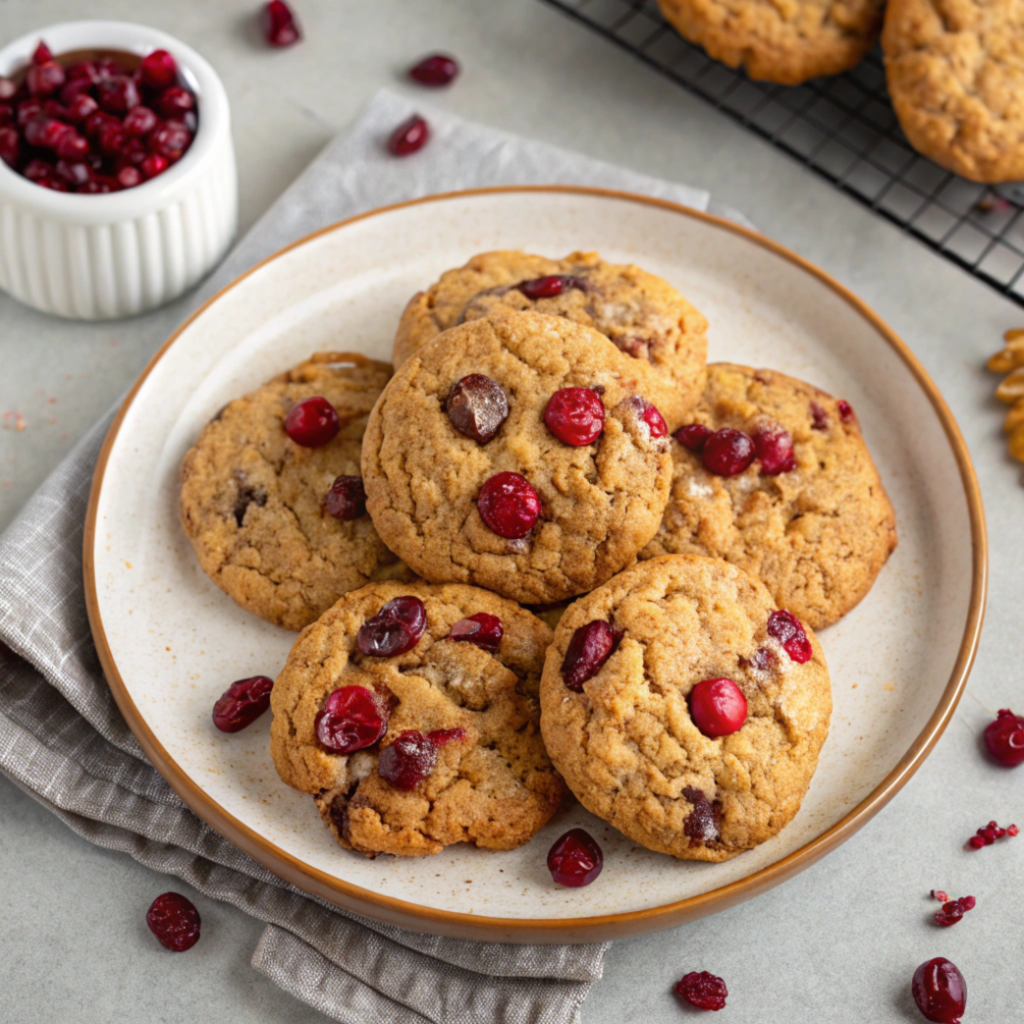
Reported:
(845, 129)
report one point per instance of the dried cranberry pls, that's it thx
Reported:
(703, 823)
(411, 135)
(443, 736)
(97, 122)
(654, 420)
(967, 902)
(153, 165)
(158, 70)
(509, 505)
(175, 102)
(437, 69)
(575, 860)
(728, 452)
(85, 70)
(54, 108)
(71, 146)
(45, 79)
(242, 703)
(42, 53)
(551, 285)
(702, 989)
(10, 146)
(693, 436)
(117, 95)
(82, 108)
(718, 707)
(45, 132)
(74, 172)
(111, 139)
(590, 647)
(949, 914)
(1004, 738)
(346, 499)
(481, 629)
(819, 417)
(174, 920)
(761, 660)
(845, 411)
(73, 89)
(395, 629)
(575, 416)
(1012, 830)
(98, 186)
(37, 170)
(312, 422)
(279, 25)
(27, 110)
(140, 121)
(129, 177)
(940, 895)
(407, 760)
(477, 407)
(8, 90)
(773, 446)
(53, 183)
(170, 139)
(352, 718)
(940, 991)
(133, 152)
(789, 631)
(6, 114)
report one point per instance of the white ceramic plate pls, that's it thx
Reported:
(171, 641)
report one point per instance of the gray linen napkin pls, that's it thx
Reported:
(64, 742)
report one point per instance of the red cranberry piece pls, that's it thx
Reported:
(789, 631)
(353, 718)
(42, 53)
(74, 172)
(773, 446)
(590, 647)
(654, 420)
(6, 114)
(728, 452)
(153, 165)
(575, 416)
(85, 70)
(8, 90)
(170, 140)
(10, 146)
(118, 94)
(436, 69)
(551, 285)
(976, 842)
(129, 177)
(174, 920)
(175, 102)
(346, 499)
(99, 185)
(37, 170)
(81, 109)
(949, 914)
(395, 629)
(967, 903)
(279, 24)
(443, 736)
(940, 991)
(133, 152)
(819, 417)
(407, 760)
(509, 505)
(53, 183)
(575, 860)
(158, 70)
(703, 823)
(410, 136)
(702, 989)
(718, 707)
(693, 436)
(1004, 738)
(111, 139)
(1012, 830)
(312, 423)
(477, 407)
(140, 121)
(45, 79)
(845, 411)
(71, 146)
(96, 123)
(940, 895)
(27, 111)
(242, 703)
(45, 132)
(73, 89)
(481, 629)
(54, 108)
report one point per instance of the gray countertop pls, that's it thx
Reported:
(838, 943)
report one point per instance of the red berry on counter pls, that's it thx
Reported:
(158, 70)
(575, 416)
(693, 436)
(702, 989)
(575, 859)
(346, 500)
(174, 920)
(590, 647)
(773, 447)
(1004, 738)
(477, 407)
(407, 760)
(940, 991)
(938, 894)
(242, 703)
(789, 631)
(728, 452)
(352, 718)
(481, 629)
(718, 707)
(395, 629)
(411, 135)
(280, 26)
(434, 70)
(312, 422)
(509, 505)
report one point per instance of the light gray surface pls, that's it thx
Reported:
(840, 942)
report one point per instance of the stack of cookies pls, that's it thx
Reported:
(553, 551)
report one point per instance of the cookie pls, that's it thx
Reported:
(808, 515)
(783, 41)
(430, 740)
(630, 734)
(253, 501)
(643, 315)
(955, 70)
(467, 482)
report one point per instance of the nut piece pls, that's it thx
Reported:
(1016, 443)
(1015, 417)
(1012, 387)
(1012, 356)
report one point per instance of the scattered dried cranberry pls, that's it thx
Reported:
(1004, 738)
(411, 135)
(174, 920)
(773, 447)
(728, 452)
(242, 703)
(1012, 830)
(703, 823)
(940, 991)
(509, 505)
(407, 760)
(158, 70)
(279, 25)
(654, 420)
(575, 416)
(590, 647)
(845, 411)
(477, 407)
(702, 989)
(693, 436)
(819, 417)
(41, 54)
(352, 719)
(550, 286)
(575, 860)
(395, 629)
(346, 499)
(989, 833)
(718, 707)
(437, 69)
(789, 631)
(940, 895)
(481, 629)
(953, 910)
(312, 422)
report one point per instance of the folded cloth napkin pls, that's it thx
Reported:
(64, 742)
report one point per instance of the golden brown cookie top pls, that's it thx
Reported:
(643, 315)
(459, 508)
(816, 531)
(625, 736)
(474, 770)
(956, 78)
(252, 500)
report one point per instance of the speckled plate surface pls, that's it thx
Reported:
(170, 641)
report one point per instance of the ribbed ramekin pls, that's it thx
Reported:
(97, 257)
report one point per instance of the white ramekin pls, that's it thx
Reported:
(96, 257)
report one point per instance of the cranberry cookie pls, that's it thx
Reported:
(643, 315)
(410, 712)
(684, 708)
(774, 476)
(517, 452)
(278, 525)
